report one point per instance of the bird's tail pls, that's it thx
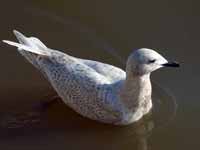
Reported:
(30, 48)
(31, 44)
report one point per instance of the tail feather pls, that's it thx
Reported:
(31, 44)
(30, 48)
(22, 38)
(26, 48)
(32, 41)
(37, 43)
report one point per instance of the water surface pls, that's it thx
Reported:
(103, 31)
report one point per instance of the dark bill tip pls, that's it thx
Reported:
(171, 64)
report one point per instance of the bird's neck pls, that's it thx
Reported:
(135, 93)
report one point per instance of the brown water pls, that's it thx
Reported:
(94, 29)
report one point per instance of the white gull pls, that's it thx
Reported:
(97, 90)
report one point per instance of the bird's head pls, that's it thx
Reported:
(144, 61)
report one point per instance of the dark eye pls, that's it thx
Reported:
(152, 61)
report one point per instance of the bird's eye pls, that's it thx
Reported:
(152, 61)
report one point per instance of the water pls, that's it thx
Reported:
(93, 30)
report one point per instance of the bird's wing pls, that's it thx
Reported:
(61, 65)
(111, 72)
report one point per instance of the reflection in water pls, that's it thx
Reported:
(56, 119)
(70, 126)
(101, 136)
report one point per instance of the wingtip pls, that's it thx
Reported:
(12, 43)
(14, 30)
(8, 42)
(17, 33)
(5, 41)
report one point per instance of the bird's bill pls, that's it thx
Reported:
(171, 64)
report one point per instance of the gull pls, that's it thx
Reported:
(97, 90)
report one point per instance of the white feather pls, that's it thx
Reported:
(26, 48)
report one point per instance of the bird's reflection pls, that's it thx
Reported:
(91, 134)
(77, 132)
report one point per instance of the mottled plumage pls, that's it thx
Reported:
(96, 90)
